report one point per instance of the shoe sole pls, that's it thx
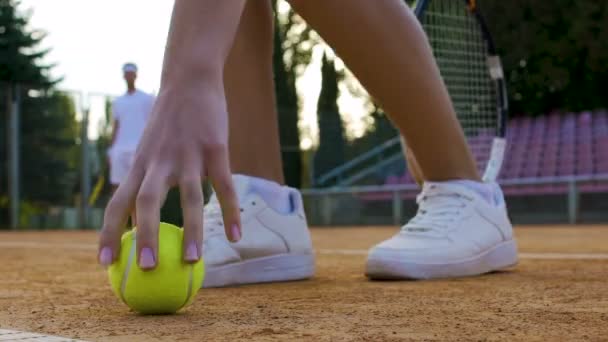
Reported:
(501, 256)
(276, 268)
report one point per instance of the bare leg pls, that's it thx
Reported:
(384, 45)
(254, 151)
(248, 80)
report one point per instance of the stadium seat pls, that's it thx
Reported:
(554, 145)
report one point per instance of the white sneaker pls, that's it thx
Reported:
(273, 247)
(455, 233)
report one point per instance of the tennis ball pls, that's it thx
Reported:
(166, 289)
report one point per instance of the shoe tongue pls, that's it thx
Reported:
(242, 186)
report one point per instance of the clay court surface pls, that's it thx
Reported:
(51, 284)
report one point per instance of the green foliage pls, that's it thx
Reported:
(555, 53)
(20, 57)
(381, 131)
(47, 126)
(330, 153)
(49, 153)
(293, 43)
(287, 103)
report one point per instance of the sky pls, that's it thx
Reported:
(91, 39)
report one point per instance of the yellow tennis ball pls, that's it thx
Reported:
(166, 289)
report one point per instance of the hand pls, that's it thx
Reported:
(184, 142)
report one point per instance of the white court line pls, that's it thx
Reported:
(90, 246)
(39, 245)
(14, 335)
(574, 256)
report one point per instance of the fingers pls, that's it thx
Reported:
(191, 197)
(150, 198)
(147, 191)
(221, 177)
(116, 215)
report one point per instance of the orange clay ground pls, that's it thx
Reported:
(51, 284)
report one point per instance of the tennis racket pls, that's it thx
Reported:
(98, 188)
(472, 72)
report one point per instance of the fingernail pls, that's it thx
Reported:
(105, 256)
(146, 258)
(192, 252)
(236, 233)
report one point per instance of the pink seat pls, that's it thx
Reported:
(554, 145)
(392, 180)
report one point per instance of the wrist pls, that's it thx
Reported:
(193, 87)
(191, 74)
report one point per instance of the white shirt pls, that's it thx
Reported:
(131, 111)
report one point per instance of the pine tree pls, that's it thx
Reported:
(20, 57)
(287, 105)
(555, 54)
(293, 43)
(48, 129)
(331, 130)
(50, 156)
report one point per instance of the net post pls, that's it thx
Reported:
(573, 201)
(85, 185)
(396, 208)
(14, 97)
(326, 209)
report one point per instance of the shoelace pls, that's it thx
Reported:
(437, 210)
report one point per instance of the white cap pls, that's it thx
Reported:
(129, 67)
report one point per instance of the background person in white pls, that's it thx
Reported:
(130, 113)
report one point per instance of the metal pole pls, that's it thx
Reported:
(396, 208)
(326, 209)
(573, 200)
(14, 155)
(85, 184)
(311, 168)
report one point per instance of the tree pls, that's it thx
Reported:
(555, 54)
(287, 105)
(48, 129)
(49, 151)
(20, 57)
(293, 43)
(331, 131)
(380, 131)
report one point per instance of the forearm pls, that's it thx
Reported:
(200, 37)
